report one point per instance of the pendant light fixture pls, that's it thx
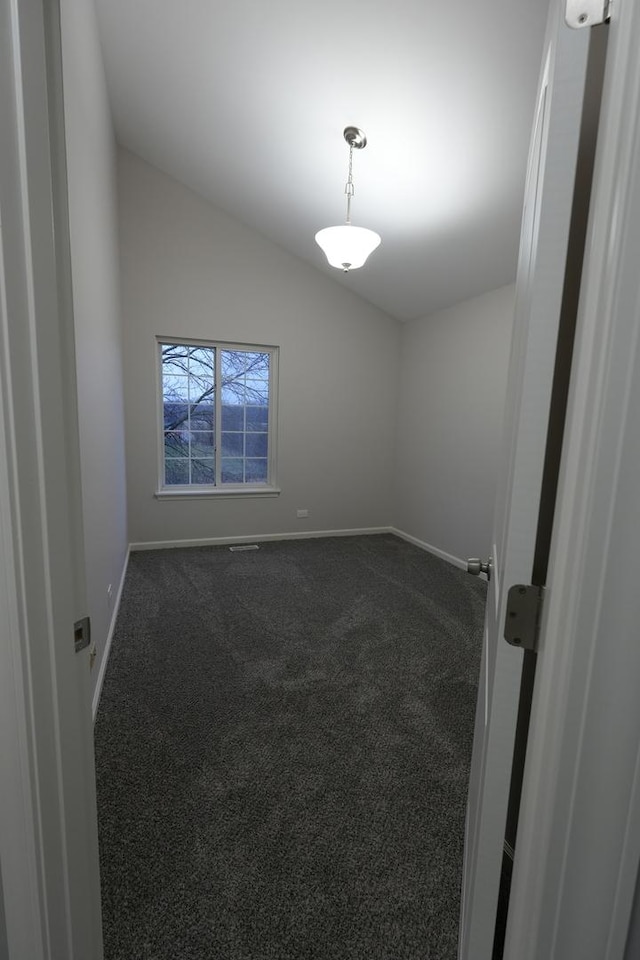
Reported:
(347, 247)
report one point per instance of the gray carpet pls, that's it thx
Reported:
(282, 751)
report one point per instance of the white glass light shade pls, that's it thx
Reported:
(347, 247)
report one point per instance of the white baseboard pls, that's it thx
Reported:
(456, 561)
(107, 646)
(257, 538)
(299, 535)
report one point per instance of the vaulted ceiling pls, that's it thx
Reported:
(245, 102)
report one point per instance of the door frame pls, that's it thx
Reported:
(578, 847)
(48, 827)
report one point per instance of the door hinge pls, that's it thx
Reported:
(586, 13)
(82, 634)
(524, 612)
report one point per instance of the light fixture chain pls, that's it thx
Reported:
(349, 188)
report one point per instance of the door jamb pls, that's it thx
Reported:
(48, 832)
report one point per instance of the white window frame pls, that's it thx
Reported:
(204, 491)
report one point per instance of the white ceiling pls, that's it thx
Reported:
(245, 101)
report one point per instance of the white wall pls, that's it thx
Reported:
(96, 301)
(189, 270)
(452, 392)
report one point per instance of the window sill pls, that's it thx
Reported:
(209, 493)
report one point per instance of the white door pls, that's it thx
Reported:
(540, 282)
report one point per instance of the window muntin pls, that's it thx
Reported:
(218, 409)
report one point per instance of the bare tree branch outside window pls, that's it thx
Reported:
(190, 396)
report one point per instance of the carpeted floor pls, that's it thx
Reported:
(282, 751)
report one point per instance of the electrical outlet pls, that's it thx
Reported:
(301, 514)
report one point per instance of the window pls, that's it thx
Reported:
(218, 416)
